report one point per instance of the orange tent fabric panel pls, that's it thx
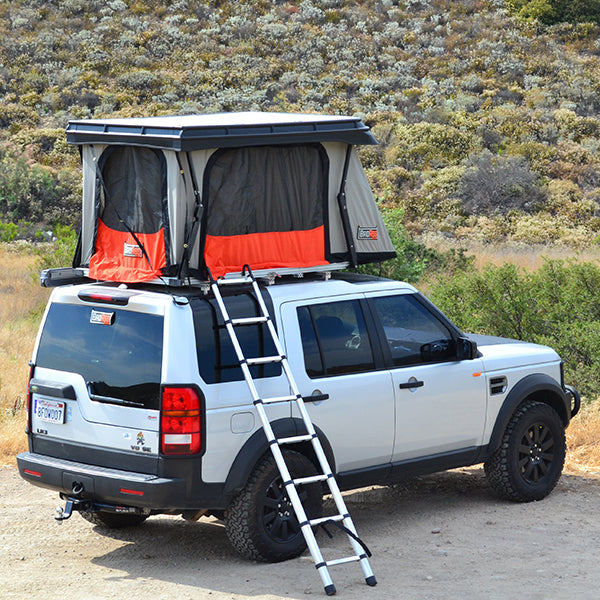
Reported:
(274, 249)
(119, 258)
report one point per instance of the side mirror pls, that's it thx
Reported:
(437, 350)
(466, 349)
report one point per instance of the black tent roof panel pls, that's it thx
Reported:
(223, 130)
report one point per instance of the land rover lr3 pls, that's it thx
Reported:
(138, 406)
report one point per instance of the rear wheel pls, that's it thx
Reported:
(113, 520)
(260, 521)
(530, 459)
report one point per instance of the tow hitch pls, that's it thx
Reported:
(76, 501)
(73, 501)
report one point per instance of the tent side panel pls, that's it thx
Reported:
(369, 234)
(131, 215)
(372, 240)
(89, 214)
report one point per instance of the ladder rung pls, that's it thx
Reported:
(314, 522)
(341, 561)
(262, 360)
(294, 439)
(276, 399)
(249, 321)
(311, 479)
(233, 280)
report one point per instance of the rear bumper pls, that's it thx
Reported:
(111, 486)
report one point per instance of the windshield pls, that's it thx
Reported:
(117, 352)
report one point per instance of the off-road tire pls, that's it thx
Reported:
(113, 520)
(260, 521)
(529, 461)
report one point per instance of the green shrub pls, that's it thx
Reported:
(8, 232)
(550, 12)
(557, 305)
(60, 252)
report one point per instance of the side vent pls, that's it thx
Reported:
(498, 385)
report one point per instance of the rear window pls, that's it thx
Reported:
(117, 352)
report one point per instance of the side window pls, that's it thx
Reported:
(217, 360)
(335, 339)
(413, 333)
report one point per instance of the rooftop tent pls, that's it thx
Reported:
(206, 194)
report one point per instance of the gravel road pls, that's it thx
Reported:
(440, 537)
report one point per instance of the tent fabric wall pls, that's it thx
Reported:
(265, 206)
(328, 237)
(130, 200)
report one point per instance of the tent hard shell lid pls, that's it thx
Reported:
(203, 195)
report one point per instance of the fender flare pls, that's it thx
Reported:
(544, 389)
(256, 446)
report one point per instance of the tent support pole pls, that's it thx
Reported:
(343, 206)
(191, 237)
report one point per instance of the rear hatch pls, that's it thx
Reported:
(95, 387)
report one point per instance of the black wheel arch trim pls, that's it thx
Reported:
(536, 386)
(257, 446)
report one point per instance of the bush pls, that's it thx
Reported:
(557, 305)
(497, 184)
(60, 252)
(36, 193)
(550, 12)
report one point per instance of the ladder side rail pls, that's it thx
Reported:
(316, 443)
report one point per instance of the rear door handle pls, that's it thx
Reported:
(409, 385)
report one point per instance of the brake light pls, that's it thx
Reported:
(116, 297)
(181, 420)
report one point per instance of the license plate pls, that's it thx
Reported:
(50, 411)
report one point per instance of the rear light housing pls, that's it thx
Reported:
(181, 420)
(28, 402)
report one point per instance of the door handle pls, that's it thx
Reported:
(315, 398)
(409, 385)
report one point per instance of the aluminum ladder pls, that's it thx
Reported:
(342, 519)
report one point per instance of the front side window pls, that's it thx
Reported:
(335, 339)
(414, 335)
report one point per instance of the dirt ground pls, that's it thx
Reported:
(440, 537)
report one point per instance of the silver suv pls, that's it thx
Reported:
(138, 405)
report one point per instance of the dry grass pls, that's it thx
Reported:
(583, 441)
(528, 256)
(21, 300)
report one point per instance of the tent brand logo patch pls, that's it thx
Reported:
(367, 233)
(132, 251)
(102, 318)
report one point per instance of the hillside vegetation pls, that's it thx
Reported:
(486, 112)
(487, 120)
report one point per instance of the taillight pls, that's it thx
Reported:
(28, 402)
(181, 420)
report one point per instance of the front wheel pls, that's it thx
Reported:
(260, 521)
(530, 459)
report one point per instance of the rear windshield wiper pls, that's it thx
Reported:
(109, 399)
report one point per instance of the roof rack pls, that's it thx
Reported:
(69, 275)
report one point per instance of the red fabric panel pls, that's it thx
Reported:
(296, 249)
(119, 258)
